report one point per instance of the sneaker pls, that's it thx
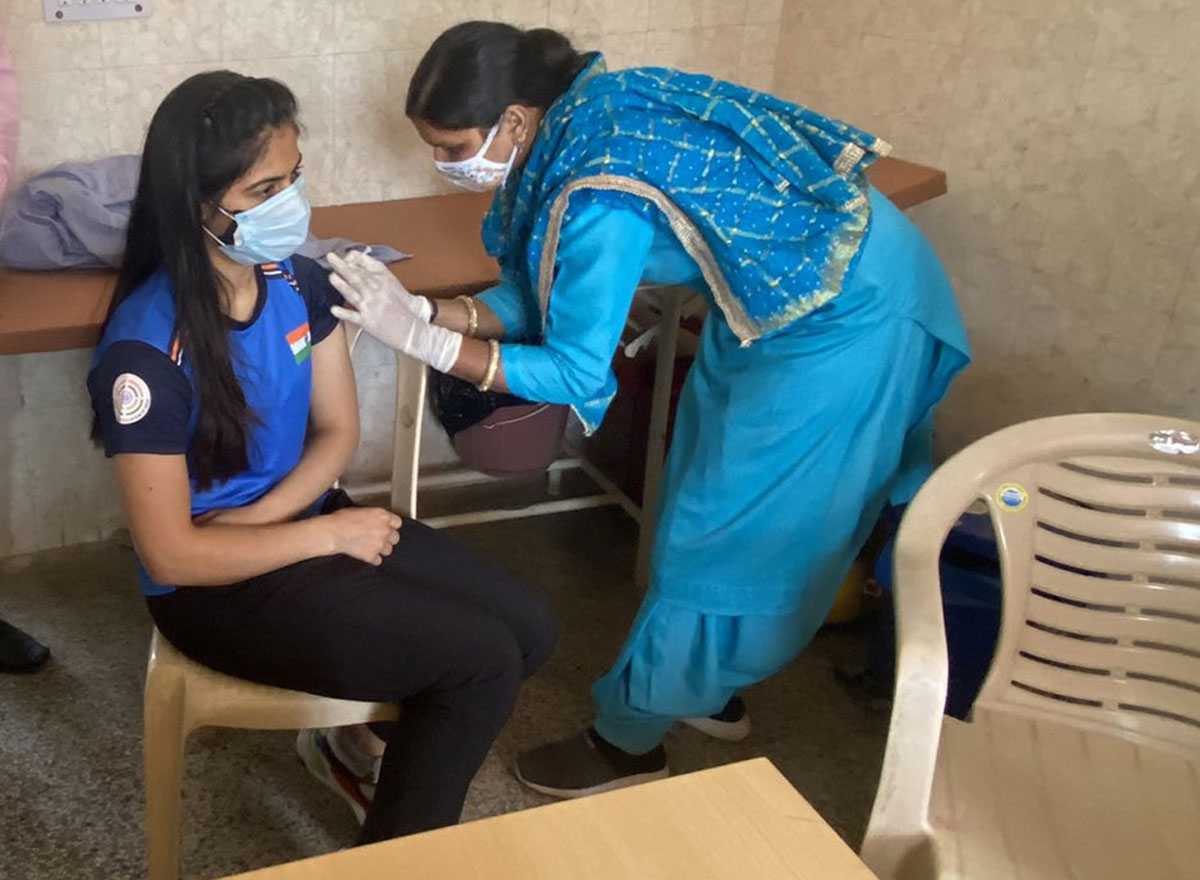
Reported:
(19, 651)
(315, 752)
(731, 724)
(587, 764)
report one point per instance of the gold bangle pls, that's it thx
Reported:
(472, 315)
(493, 366)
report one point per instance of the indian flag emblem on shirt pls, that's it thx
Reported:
(300, 341)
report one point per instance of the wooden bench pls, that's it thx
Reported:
(57, 310)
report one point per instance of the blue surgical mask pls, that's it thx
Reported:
(270, 232)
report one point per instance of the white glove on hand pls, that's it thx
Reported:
(369, 275)
(391, 314)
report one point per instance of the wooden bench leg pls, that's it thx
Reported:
(406, 438)
(656, 443)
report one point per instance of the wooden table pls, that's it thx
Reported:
(52, 311)
(738, 822)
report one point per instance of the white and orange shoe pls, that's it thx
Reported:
(318, 752)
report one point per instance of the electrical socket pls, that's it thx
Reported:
(57, 11)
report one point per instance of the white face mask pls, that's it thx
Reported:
(479, 173)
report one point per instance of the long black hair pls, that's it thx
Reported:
(207, 133)
(473, 71)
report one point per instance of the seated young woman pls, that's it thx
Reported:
(223, 392)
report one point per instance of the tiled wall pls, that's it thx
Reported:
(1072, 229)
(1068, 128)
(88, 90)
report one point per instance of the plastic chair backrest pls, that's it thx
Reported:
(1098, 524)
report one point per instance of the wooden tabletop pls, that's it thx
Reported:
(51, 311)
(730, 823)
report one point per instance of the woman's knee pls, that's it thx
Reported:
(494, 659)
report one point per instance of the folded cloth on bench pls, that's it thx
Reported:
(73, 216)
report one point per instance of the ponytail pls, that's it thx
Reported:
(473, 71)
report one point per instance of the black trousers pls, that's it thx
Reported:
(435, 629)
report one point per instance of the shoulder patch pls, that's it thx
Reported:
(131, 398)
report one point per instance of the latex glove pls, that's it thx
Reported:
(372, 275)
(387, 311)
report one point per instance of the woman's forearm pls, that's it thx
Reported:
(472, 365)
(454, 314)
(216, 554)
(326, 455)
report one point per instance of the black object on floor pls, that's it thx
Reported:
(19, 651)
(734, 711)
(971, 603)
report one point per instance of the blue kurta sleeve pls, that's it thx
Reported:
(602, 255)
(516, 310)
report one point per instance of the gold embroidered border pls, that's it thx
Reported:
(683, 227)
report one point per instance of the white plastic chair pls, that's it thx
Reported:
(1082, 755)
(182, 695)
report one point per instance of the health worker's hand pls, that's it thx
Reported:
(381, 306)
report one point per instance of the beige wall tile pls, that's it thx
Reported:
(620, 50)
(992, 29)
(1175, 384)
(1187, 304)
(130, 95)
(10, 384)
(1038, 12)
(54, 380)
(990, 294)
(365, 137)
(816, 67)
(1067, 128)
(714, 13)
(178, 31)
(36, 45)
(601, 16)
(1021, 93)
(764, 11)
(626, 50)
(275, 28)
(55, 487)
(841, 20)
(374, 25)
(668, 15)
(1119, 99)
(589, 16)
(1145, 269)
(1152, 37)
(756, 68)
(311, 80)
(522, 13)
(378, 154)
(930, 21)
(61, 119)
(909, 77)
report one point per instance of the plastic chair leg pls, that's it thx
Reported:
(165, 738)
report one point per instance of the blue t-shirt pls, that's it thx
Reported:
(144, 392)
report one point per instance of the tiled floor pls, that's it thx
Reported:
(70, 737)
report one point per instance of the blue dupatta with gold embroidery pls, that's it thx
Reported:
(770, 198)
